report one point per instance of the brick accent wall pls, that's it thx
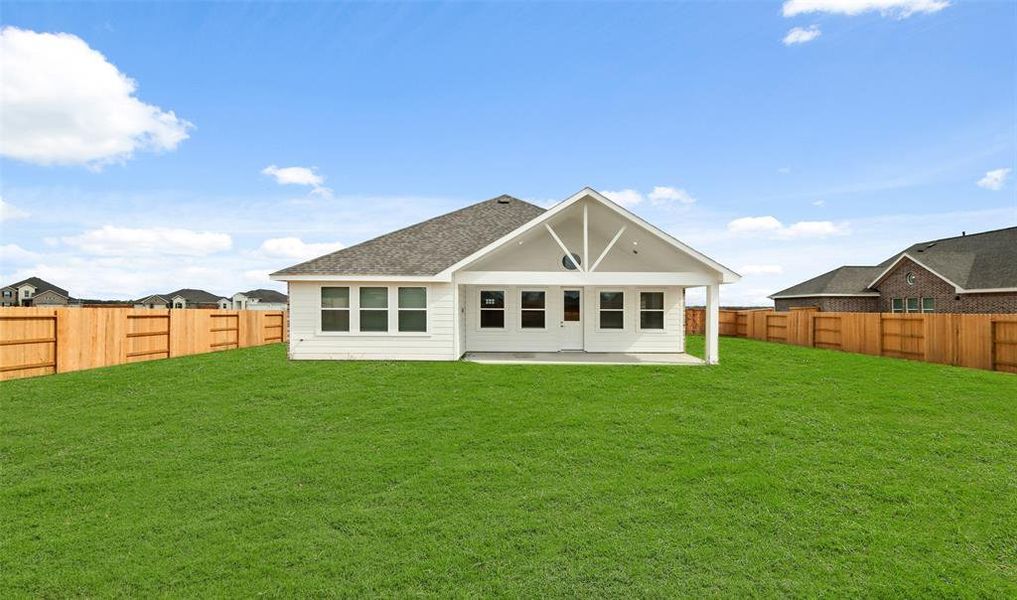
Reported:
(928, 285)
(830, 304)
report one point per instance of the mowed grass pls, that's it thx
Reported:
(782, 472)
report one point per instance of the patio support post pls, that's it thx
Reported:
(712, 322)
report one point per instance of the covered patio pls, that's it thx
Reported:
(583, 358)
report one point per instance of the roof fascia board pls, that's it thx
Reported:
(988, 291)
(957, 288)
(580, 278)
(354, 278)
(859, 295)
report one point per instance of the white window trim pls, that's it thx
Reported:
(393, 316)
(908, 310)
(426, 309)
(387, 309)
(623, 310)
(481, 309)
(639, 312)
(349, 309)
(521, 309)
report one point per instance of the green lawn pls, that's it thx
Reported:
(783, 471)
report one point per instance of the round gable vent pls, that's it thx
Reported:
(571, 262)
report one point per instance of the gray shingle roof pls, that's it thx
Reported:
(193, 296)
(40, 286)
(426, 248)
(986, 260)
(842, 280)
(266, 295)
(979, 261)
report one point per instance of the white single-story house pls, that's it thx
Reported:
(504, 275)
(260, 299)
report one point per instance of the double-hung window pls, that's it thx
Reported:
(492, 309)
(374, 309)
(651, 310)
(412, 309)
(897, 305)
(612, 310)
(912, 305)
(335, 309)
(928, 305)
(532, 310)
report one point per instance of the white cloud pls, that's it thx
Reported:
(257, 276)
(63, 103)
(662, 194)
(754, 225)
(124, 241)
(294, 248)
(9, 212)
(293, 175)
(15, 254)
(784, 170)
(761, 270)
(994, 180)
(812, 229)
(627, 197)
(900, 9)
(801, 35)
(771, 225)
(299, 176)
(819, 203)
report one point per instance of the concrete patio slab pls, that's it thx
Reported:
(582, 358)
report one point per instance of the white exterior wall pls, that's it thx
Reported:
(629, 339)
(308, 342)
(265, 306)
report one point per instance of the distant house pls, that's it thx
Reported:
(260, 299)
(33, 292)
(974, 273)
(184, 298)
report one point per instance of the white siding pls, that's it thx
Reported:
(629, 339)
(307, 341)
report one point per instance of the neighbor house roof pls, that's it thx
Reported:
(39, 285)
(980, 261)
(429, 247)
(266, 295)
(842, 281)
(193, 296)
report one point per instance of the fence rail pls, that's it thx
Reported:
(43, 341)
(980, 341)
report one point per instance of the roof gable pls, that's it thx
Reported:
(194, 296)
(426, 248)
(264, 295)
(595, 196)
(40, 286)
(980, 261)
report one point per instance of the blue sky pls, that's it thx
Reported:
(877, 129)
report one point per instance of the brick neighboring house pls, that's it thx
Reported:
(33, 292)
(974, 273)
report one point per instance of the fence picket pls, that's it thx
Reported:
(980, 341)
(38, 341)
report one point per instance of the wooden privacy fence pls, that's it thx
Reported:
(42, 341)
(980, 341)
